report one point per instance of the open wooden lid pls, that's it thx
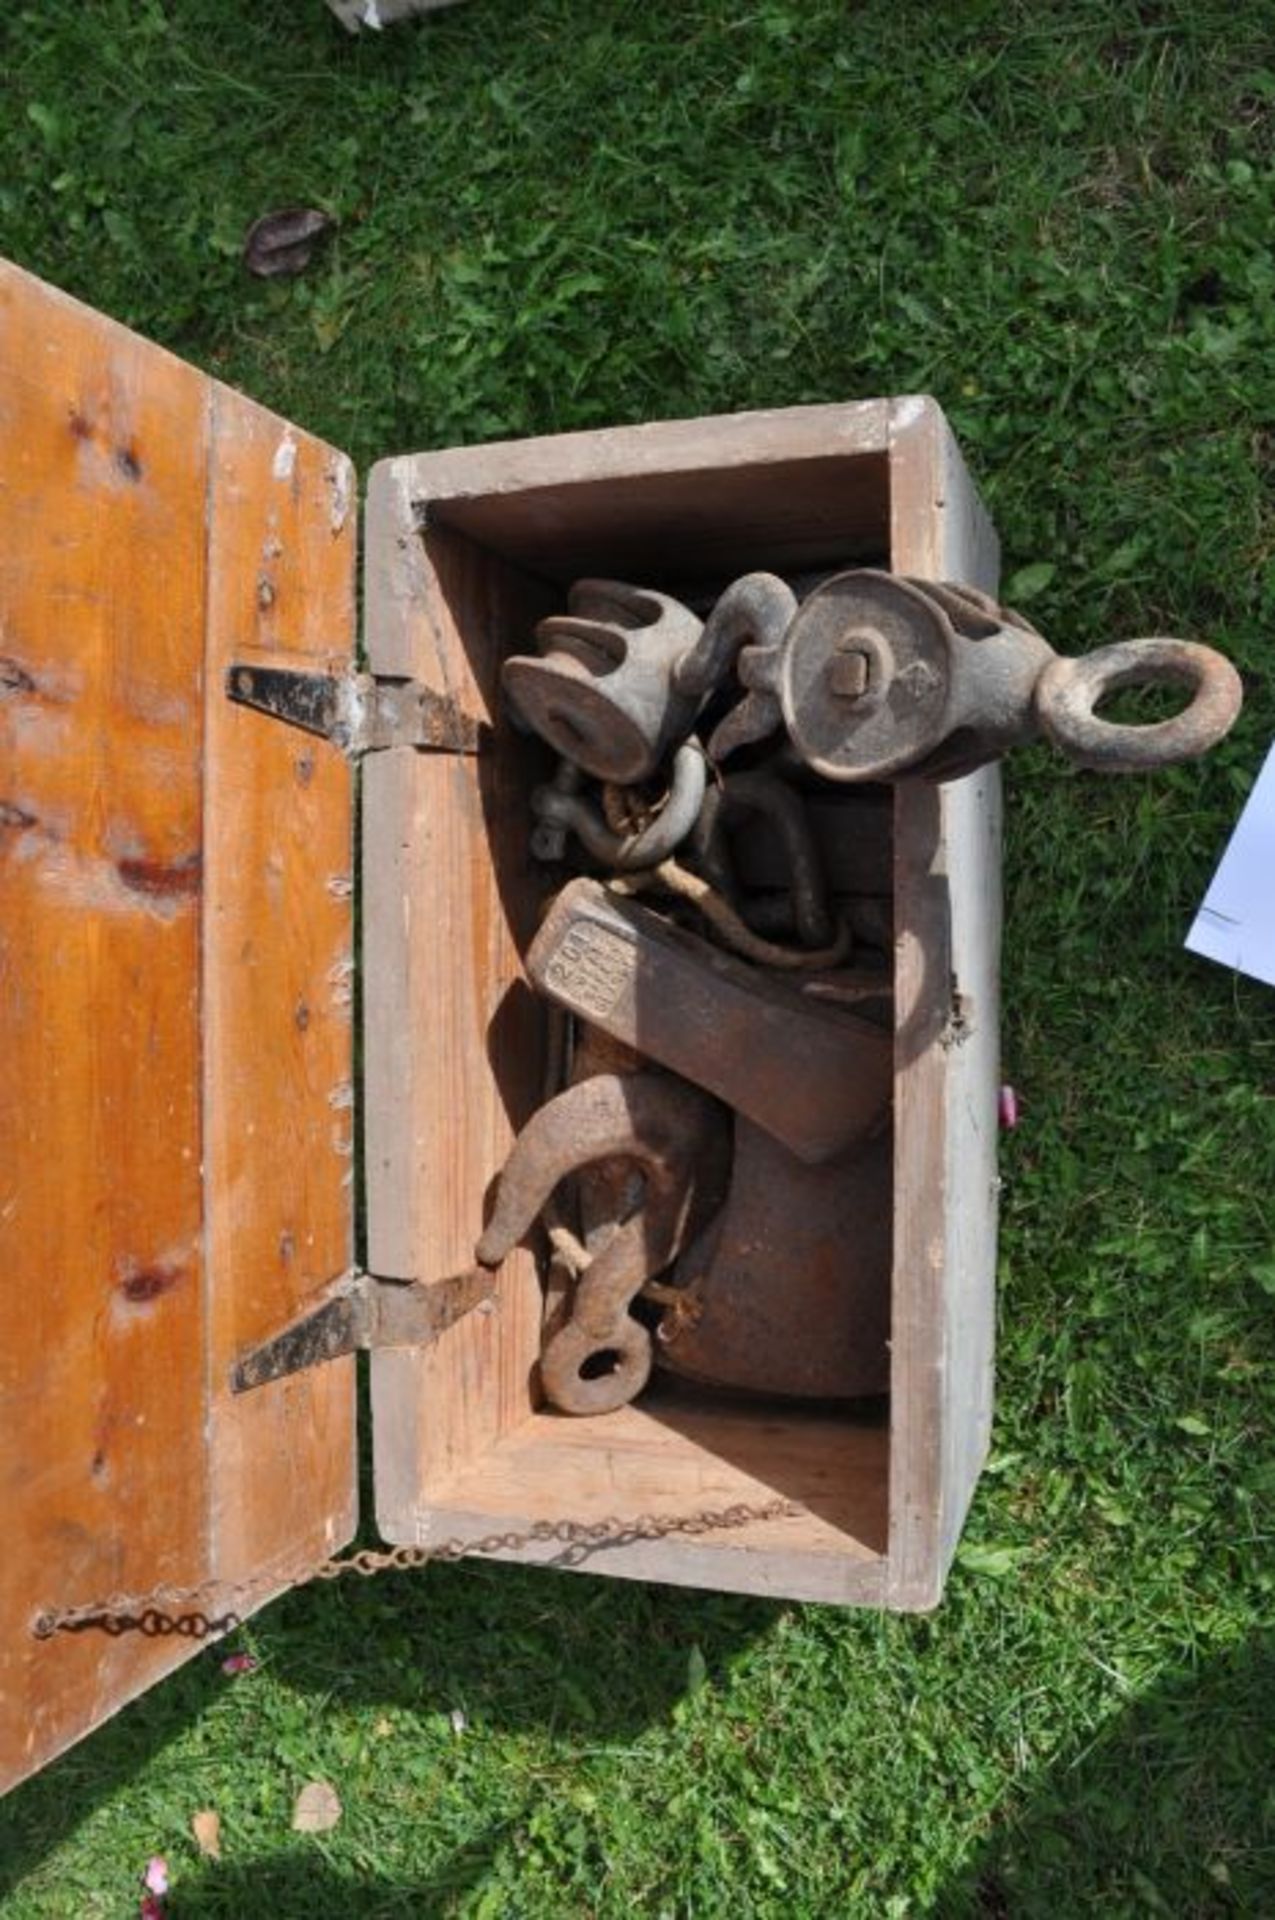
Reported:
(175, 1000)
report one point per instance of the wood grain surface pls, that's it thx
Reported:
(947, 1050)
(453, 1034)
(174, 1138)
(676, 1455)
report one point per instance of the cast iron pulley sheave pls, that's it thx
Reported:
(879, 676)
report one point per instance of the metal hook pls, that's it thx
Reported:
(671, 1130)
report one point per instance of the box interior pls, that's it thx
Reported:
(483, 1450)
(692, 531)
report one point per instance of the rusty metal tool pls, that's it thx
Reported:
(729, 929)
(742, 635)
(763, 795)
(878, 676)
(602, 690)
(621, 677)
(817, 1079)
(607, 1191)
(560, 807)
(600, 1356)
(788, 1289)
(853, 831)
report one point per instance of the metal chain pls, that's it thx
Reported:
(167, 1610)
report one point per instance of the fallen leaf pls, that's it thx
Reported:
(282, 243)
(458, 1721)
(317, 1808)
(993, 1559)
(239, 1663)
(206, 1827)
(1030, 581)
(1007, 1108)
(1194, 1424)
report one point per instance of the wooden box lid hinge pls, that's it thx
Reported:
(361, 1313)
(359, 712)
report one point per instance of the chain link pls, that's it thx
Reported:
(183, 1611)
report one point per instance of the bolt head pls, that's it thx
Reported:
(848, 675)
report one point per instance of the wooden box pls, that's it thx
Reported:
(178, 1104)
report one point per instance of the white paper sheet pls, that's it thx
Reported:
(1236, 924)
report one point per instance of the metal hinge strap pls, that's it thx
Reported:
(358, 712)
(364, 1313)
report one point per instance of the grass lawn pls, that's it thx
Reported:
(1060, 220)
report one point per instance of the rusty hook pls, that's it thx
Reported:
(601, 1357)
(754, 612)
(742, 635)
(1068, 692)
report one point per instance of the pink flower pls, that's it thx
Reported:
(1007, 1108)
(155, 1878)
(239, 1663)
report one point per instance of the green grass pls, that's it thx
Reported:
(568, 212)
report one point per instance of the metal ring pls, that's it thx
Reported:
(574, 1345)
(1068, 691)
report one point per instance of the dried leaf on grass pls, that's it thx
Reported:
(206, 1827)
(283, 242)
(317, 1808)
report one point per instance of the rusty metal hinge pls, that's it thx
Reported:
(362, 1313)
(358, 712)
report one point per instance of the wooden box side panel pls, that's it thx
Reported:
(973, 833)
(677, 1456)
(453, 1035)
(667, 502)
(139, 1146)
(948, 926)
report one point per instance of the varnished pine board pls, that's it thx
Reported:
(103, 1484)
(140, 1154)
(947, 1013)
